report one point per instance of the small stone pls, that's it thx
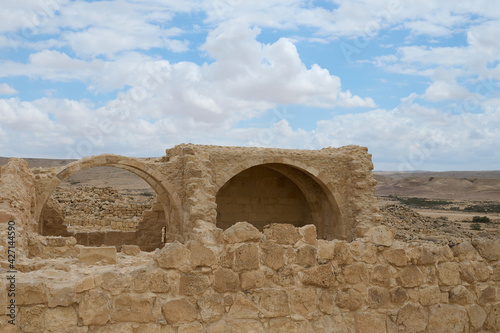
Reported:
(241, 232)
(172, 255)
(105, 255)
(179, 311)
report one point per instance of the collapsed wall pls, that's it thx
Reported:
(281, 280)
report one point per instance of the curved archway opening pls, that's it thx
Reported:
(157, 224)
(278, 193)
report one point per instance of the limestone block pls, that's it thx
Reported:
(282, 233)
(190, 328)
(325, 249)
(237, 326)
(172, 255)
(32, 319)
(285, 277)
(481, 271)
(467, 273)
(381, 235)
(61, 295)
(486, 293)
(430, 295)
(243, 308)
(287, 325)
(426, 256)
(445, 318)
(369, 322)
(191, 284)
(449, 273)
(211, 309)
(410, 276)
(349, 299)
(115, 328)
(273, 255)
(132, 308)
(246, 257)
(161, 281)
(413, 318)
(378, 297)
(85, 284)
(28, 293)
(396, 257)
(306, 255)
(399, 295)
(465, 251)
(180, 311)
(309, 234)
(487, 248)
(274, 303)
(461, 295)
(131, 250)
(496, 273)
(252, 280)
(105, 255)
(381, 275)
(341, 253)
(492, 322)
(60, 318)
(225, 280)
(94, 308)
(241, 232)
(155, 328)
(201, 255)
(355, 273)
(477, 316)
(303, 301)
(319, 276)
(326, 302)
(140, 280)
(115, 282)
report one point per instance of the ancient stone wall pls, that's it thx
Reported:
(281, 280)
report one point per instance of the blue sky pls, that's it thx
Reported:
(414, 81)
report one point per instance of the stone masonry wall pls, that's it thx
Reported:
(281, 280)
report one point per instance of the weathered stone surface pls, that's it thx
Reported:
(341, 253)
(225, 280)
(274, 303)
(487, 248)
(378, 297)
(461, 295)
(426, 256)
(211, 309)
(481, 271)
(85, 284)
(159, 281)
(287, 325)
(60, 318)
(190, 328)
(252, 280)
(303, 301)
(492, 322)
(444, 318)
(61, 295)
(309, 234)
(132, 308)
(306, 255)
(180, 311)
(191, 284)
(246, 257)
(104, 255)
(172, 255)
(381, 275)
(282, 233)
(241, 232)
(29, 293)
(243, 308)
(131, 250)
(396, 257)
(477, 316)
(32, 319)
(273, 255)
(410, 276)
(430, 295)
(94, 308)
(349, 299)
(320, 276)
(413, 318)
(326, 302)
(381, 235)
(369, 322)
(355, 273)
(201, 255)
(449, 273)
(399, 295)
(496, 273)
(465, 251)
(115, 282)
(486, 293)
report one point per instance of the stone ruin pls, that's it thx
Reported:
(238, 240)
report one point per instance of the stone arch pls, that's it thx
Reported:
(319, 195)
(166, 195)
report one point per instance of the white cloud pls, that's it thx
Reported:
(6, 89)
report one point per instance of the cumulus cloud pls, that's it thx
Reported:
(6, 89)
